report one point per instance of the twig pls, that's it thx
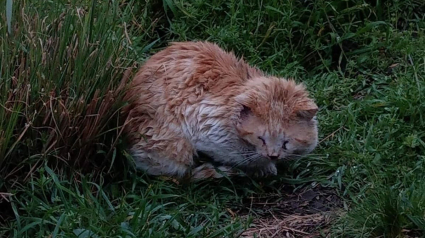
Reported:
(331, 135)
(19, 139)
(5, 195)
(126, 34)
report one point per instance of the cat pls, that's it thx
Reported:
(194, 97)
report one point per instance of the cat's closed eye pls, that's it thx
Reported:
(301, 141)
(284, 144)
(262, 139)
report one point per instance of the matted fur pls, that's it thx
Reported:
(194, 97)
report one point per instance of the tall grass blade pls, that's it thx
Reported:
(9, 4)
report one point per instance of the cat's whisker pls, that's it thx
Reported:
(245, 161)
(242, 162)
(295, 155)
(244, 153)
(288, 159)
(247, 154)
(304, 156)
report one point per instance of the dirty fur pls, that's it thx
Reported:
(194, 97)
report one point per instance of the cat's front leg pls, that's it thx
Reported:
(266, 170)
(269, 170)
(208, 170)
(165, 153)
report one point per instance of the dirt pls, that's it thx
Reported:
(305, 213)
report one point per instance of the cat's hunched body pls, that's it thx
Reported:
(194, 97)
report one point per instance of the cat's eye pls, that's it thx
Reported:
(262, 139)
(284, 144)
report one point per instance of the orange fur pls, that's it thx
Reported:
(194, 96)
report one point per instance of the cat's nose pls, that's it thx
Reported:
(273, 157)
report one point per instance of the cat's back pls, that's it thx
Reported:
(192, 68)
(185, 84)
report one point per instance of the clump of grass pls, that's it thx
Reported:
(62, 76)
(75, 206)
(387, 212)
(291, 36)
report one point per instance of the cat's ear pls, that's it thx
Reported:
(307, 110)
(245, 112)
(244, 100)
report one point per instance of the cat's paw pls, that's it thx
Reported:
(271, 170)
(207, 170)
(268, 170)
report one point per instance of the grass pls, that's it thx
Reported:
(64, 171)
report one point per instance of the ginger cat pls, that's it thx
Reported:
(193, 97)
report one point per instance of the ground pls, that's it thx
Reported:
(64, 166)
(305, 213)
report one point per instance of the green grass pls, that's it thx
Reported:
(64, 171)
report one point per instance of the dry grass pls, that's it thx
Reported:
(292, 225)
(308, 212)
(60, 108)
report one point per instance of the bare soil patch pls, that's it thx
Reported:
(308, 212)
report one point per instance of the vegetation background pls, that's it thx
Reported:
(64, 171)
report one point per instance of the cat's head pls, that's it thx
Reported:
(278, 118)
